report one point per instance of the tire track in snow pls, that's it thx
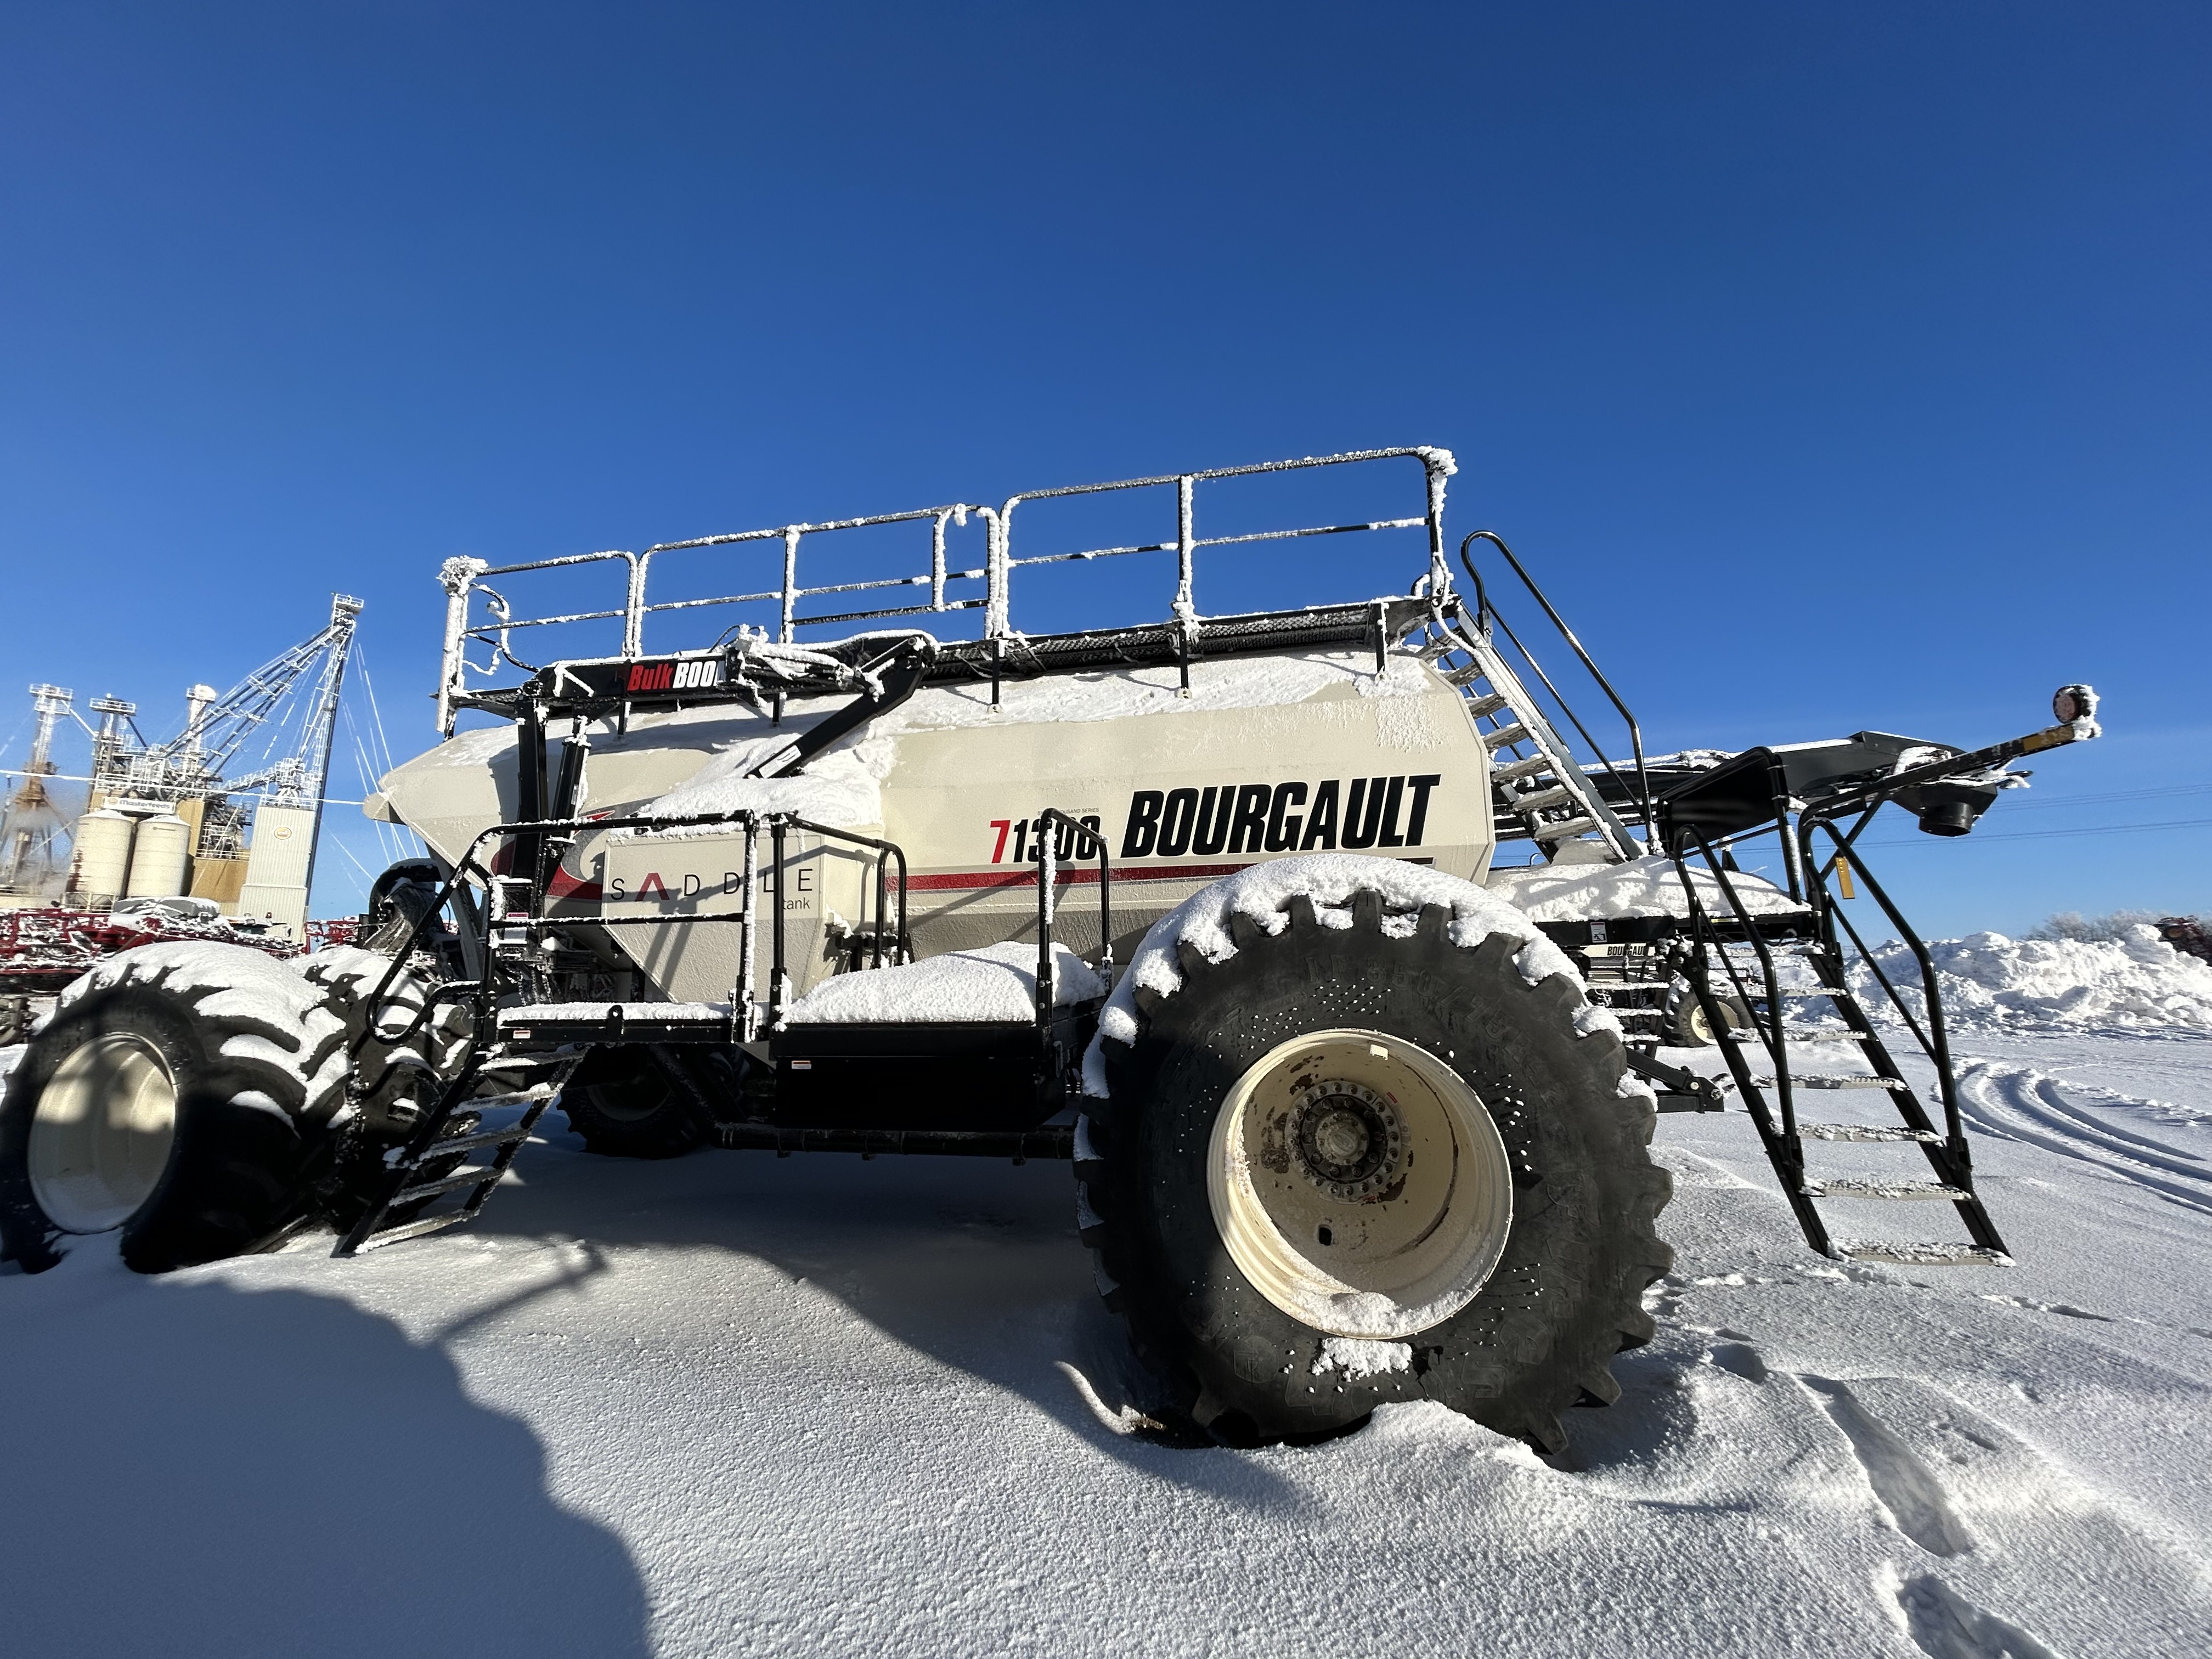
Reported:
(2021, 1103)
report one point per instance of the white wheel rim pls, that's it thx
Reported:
(1359, 1184)
(102, 1134)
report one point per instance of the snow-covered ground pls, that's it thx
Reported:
(740, 1405)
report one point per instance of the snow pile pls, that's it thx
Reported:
(1642, 887)
(1262, 893)
(1249, 683)
(1989, 981)
(996, 984)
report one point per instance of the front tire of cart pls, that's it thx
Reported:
(1354, 1164)
(175, 1101)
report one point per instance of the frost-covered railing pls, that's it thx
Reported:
(477, 612)
(512, 913)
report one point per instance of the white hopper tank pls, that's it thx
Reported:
(160, 863)
(102, 863)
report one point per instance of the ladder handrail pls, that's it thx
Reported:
(1935, 1040)
(1641, 793)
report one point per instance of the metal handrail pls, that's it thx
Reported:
(1934, 1041)
(1776, 1042)
(484, 991)
(463, 578)
(1641, 793)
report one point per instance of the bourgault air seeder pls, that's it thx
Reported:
(1205, 905)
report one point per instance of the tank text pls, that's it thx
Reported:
(1279, 818)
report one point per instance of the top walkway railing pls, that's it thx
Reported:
(478, 613)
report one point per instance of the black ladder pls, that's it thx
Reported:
(446, 1154)
(1771, 1070)
(1816, 799)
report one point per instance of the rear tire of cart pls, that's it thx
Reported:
(1354, 1165)
(177, 1100)
(1686, 1026)
(639, 1102)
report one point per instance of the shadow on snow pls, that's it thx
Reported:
(192, 1469)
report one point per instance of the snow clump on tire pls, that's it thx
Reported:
(1262, 897)
(268, 1014)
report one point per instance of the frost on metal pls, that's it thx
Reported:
(655, 1011)
(456, 575)
(463, 577)
(1262, 894)
(996, 984)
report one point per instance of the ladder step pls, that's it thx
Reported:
(1548, 833)
(1513, 771)
(1865, 1132)
(410, 1229)
(1558, 795)
(1489, 703)
(1795, 1035)
(1825, 1080)
(470, 1143)
(474, 1176)
(1856, 1188)
(1918, 1256)
(1505, 735)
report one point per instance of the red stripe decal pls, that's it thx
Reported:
(1079, 874)
(561, 885)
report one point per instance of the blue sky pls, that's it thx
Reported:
(1837, 366)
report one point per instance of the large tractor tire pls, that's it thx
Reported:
(178, 1099)
(401, 897)
(1373, 1148)
(640, 1102)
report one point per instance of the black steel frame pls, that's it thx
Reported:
(1636, 793)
